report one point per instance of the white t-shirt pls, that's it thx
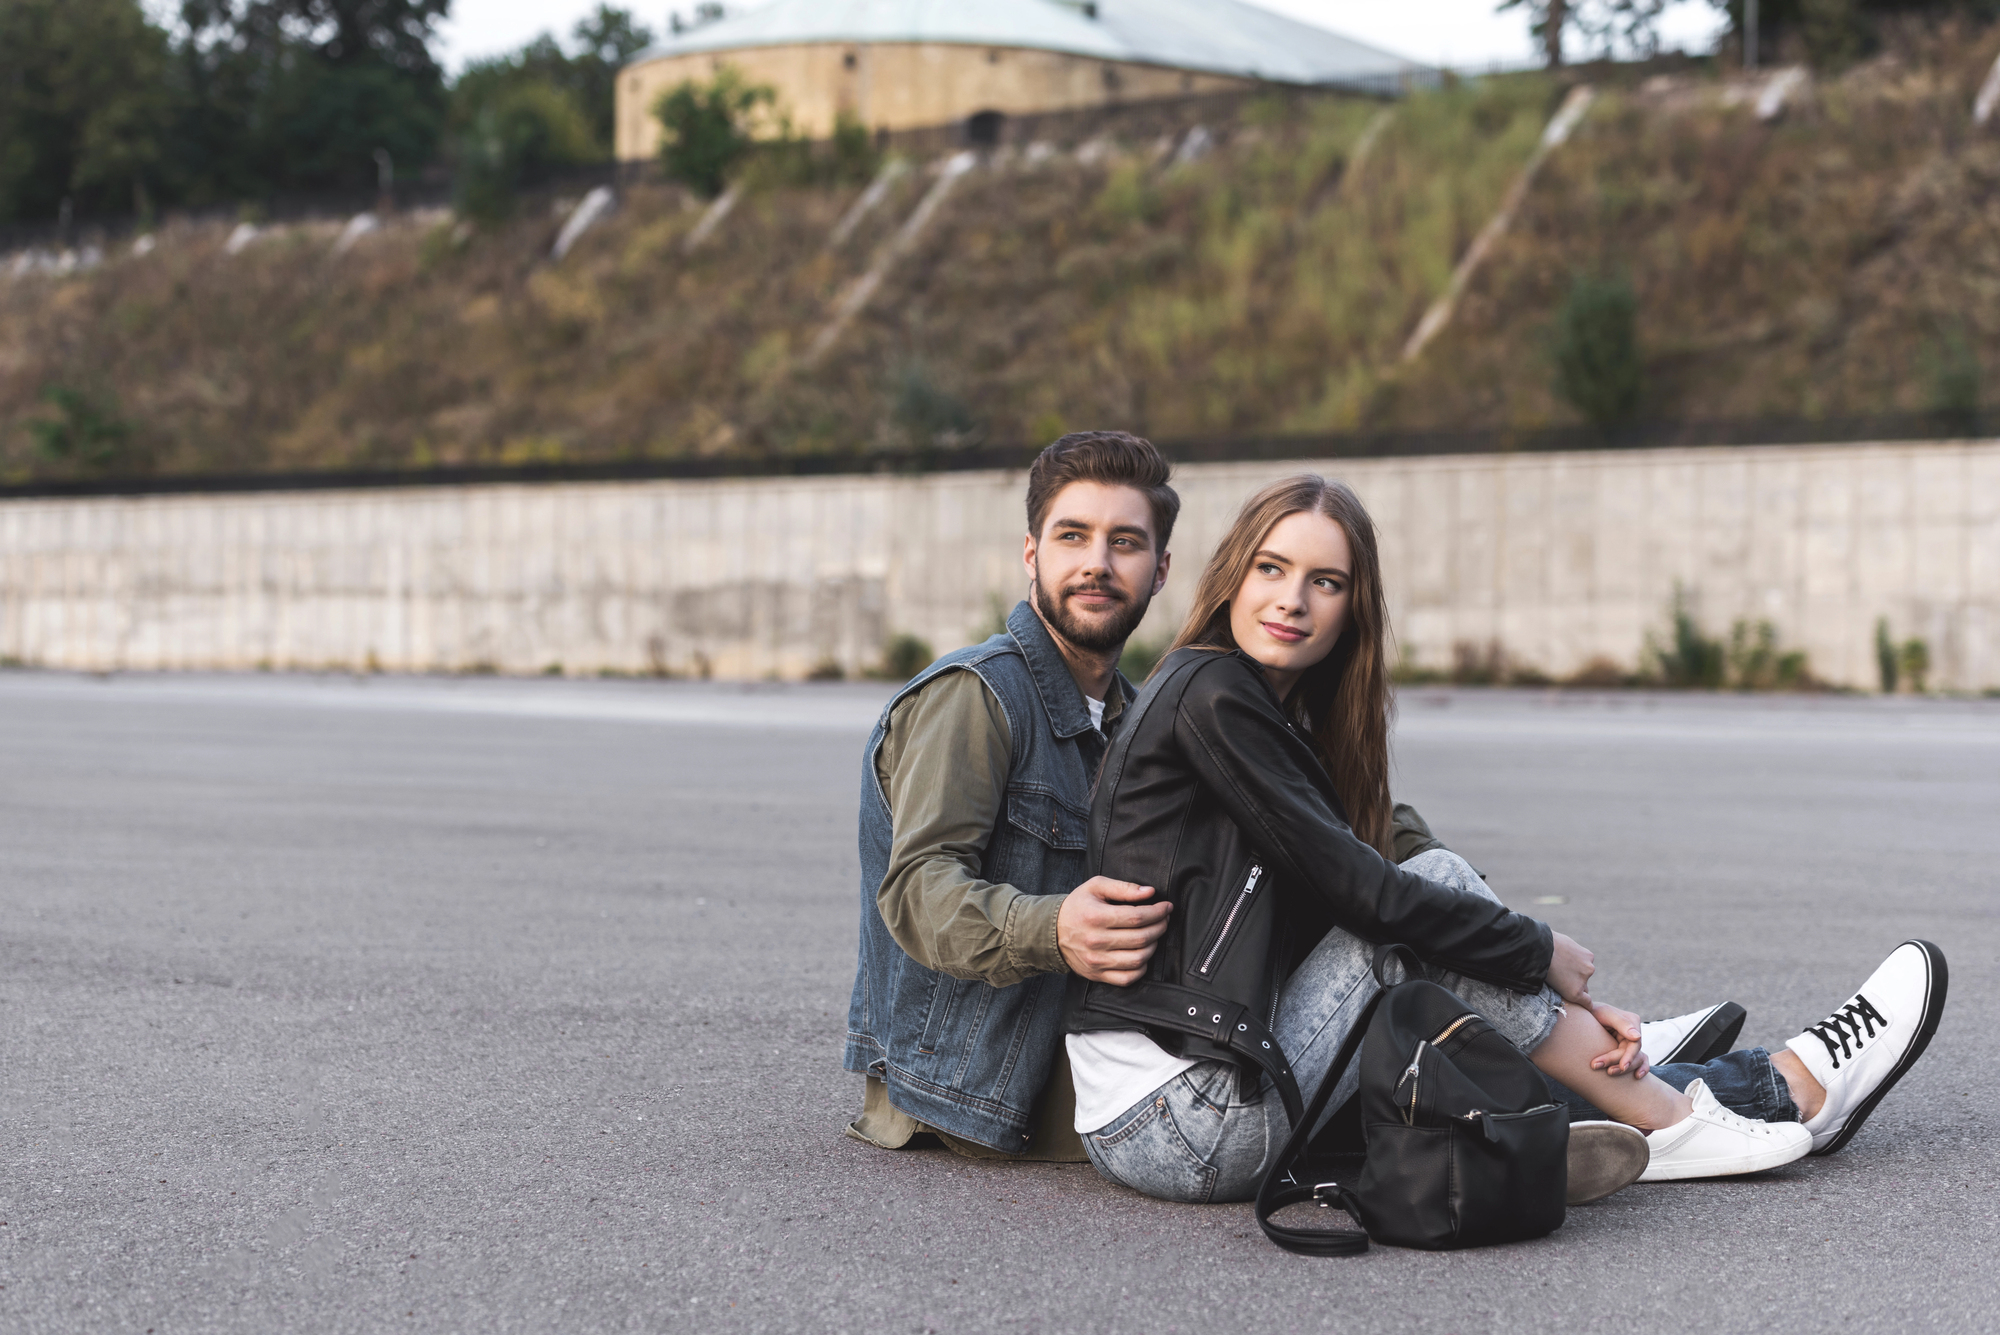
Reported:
(1114, 1069)
(1096, 713)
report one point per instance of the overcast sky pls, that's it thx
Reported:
(1465, 34)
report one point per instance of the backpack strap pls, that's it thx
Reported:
(1273, 1196)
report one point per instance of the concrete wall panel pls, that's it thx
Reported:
(1558, 559)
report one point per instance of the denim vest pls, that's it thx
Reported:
(961, 1055)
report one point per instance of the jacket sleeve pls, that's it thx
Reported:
(1261, 772)
(944, 768)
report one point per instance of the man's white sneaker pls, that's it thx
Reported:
(1714, 1142)
(1859, 1052)
(1699, 1036)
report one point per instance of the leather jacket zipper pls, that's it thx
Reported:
(1229, 923)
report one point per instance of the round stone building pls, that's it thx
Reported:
(912, 64)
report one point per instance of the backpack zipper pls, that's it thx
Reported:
(1411, 1074)
(1452, 1028)
(1229, 923)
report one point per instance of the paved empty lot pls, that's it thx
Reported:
(475, 1005)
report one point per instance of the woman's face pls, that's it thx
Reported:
(1293, 606)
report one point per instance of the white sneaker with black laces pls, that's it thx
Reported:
(1699, 1036)
(1712, 1141)
(1859, 1052)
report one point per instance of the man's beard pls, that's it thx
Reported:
(1100, 636)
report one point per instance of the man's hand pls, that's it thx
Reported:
(1569, 971)
(1106, 934)
(1623, 1026)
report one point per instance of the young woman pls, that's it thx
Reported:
(1249, 784)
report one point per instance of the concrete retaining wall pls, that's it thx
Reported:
(1558, 558)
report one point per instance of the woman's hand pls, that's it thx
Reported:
(1623, 1026)
(1570, 968)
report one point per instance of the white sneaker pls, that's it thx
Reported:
(1861, 1050)
(1715, 1142)
(1699, 1036)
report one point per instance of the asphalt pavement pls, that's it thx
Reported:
(448, 1005)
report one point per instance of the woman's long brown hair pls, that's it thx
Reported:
(1343, 701)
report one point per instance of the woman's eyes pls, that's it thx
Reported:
(1327, 582)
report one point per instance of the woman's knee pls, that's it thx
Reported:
(1448, 868)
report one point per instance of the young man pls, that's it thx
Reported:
(975, 787)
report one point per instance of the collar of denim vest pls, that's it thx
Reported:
(1061, 700)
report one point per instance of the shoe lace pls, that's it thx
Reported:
(1849, 1029)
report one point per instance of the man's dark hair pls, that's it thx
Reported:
(1111, 459)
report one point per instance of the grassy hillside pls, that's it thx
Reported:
(1838, 262)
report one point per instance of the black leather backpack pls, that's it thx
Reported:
(1460, 1145)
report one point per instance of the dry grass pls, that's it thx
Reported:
(1811, 267)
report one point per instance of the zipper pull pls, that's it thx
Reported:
(1485, 1120)
(1416, 1062)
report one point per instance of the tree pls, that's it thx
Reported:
(708, 128)
(607, 39)
(282, 95)
(604, 42)
(523, 133)
(1609, 26)
(82, 97)
(1546, 20)
(395, 33)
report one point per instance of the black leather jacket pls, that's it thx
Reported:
(1214, 797)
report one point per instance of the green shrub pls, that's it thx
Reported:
(1140, 657)
(1598, 369)
(1887, 662)
(1901, 661)
(1834, 33)
(925, 409)
(1914, 658)
(904, 657)
(1128, 197)
(1691, 660)
(853, 152)
(86, 430)
(708, 128)
(1953, 369)
(526, 131)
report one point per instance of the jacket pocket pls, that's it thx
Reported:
(1047, 819)
(1226, 923)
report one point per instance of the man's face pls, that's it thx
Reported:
(1095, 565)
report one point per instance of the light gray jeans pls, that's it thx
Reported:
(1195, 1139)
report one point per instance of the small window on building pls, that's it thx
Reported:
(982, 128)
(850, 60)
